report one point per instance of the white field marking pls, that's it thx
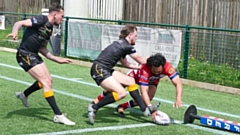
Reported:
(155, 98)
(219, 132)
(97, 129)
(76, 78)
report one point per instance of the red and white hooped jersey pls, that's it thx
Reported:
(145, 77)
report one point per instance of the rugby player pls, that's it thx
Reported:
(113, 81)
(148, 78)
(35, 39)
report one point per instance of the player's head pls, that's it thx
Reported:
(156, 63)
(57, 13)
(129, 32)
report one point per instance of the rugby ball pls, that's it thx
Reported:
(162, 118)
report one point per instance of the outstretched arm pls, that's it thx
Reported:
(127, 64)
(145, 96)
(44, 51)
(179, 91)
(17, 26)
(138, 58)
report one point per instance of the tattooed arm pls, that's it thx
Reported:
(44, 51)
(17, 26)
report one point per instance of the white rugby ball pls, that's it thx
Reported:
(162, 118)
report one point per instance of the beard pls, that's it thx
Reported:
(132, 42)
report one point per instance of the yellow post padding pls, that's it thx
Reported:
(115, 96)
(40, 85)
(132, 87)
(48, 94)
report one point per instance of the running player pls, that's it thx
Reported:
(35, 39)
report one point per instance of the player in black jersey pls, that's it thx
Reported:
(113, 81)
(35, 39)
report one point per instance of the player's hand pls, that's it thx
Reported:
(64, 61)
(139, 66)
(153, 115)
(13, 35)
(178, 103)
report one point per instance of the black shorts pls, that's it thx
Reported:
(100, 73)
(27, 60)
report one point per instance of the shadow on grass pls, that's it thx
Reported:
(109, 115)
(31, 112)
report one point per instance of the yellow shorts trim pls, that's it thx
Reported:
(48, 94)
(132, 87)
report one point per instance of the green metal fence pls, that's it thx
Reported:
(208, 54)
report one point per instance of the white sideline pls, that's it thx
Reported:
(219, 132)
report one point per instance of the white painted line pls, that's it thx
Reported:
(97, 129)
(112, 105)
(155, 98)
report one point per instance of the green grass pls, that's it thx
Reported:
(204, 71)
(17, 119)
(198, 70)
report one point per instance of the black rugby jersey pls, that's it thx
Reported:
(37, 35)
(113, 53)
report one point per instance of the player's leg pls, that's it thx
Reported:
(115, 89)
(100, 97)
(121, 108)
(24, 95)
(41, 74)
(132, 88)
(23, 58)
(132, 103)
(116, 92)
(105, 79)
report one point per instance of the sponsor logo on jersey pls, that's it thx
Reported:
(35, 20)
(133, 50)
(171, 70)
(143, 77)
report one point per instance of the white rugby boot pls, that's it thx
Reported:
(63, 120)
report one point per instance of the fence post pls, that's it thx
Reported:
(185, 52)
(119, 22)
(66, 36)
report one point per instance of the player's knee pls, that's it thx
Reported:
(47, 83)
(122, 94)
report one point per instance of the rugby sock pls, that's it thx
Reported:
(49, 96)
(131, 103)
(99, 98)
(34, 87)
(136, 96)
(108, 99)
(102, 95)
(125, 105)
(128, 104)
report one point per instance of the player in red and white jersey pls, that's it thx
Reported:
(148, 78)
